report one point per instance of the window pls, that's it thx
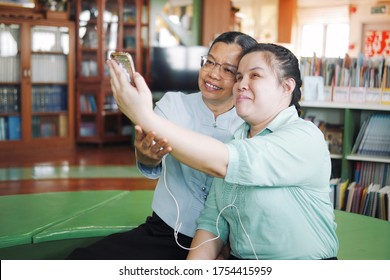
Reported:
(324, 32)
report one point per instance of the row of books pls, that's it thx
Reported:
(356, 72)
(333, 133)
(110, 103)
(367, 194)
(10, 128)
(374, 136)
(49, 98)
(88, 103)
(357, 80)
(87, 129)
(9, 99)
(372, 172)
(369, 200)
(49, 68)
(49, 126)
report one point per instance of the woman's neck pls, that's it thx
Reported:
(218, 107)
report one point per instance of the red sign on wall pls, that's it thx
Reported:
(377, 43)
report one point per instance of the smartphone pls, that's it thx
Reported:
(126, 62)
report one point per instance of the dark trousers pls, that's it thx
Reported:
(152, 240)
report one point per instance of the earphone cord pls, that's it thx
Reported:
(178, 225)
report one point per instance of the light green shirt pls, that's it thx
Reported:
(278, 182)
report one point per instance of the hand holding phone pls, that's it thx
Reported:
(126, 62)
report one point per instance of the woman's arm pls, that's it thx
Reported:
(209, 250)
(196, 150)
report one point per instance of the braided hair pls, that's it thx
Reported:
(285, 64)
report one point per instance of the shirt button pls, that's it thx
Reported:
(204, 188)
(205, 196)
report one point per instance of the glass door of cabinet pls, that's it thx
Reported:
(10, 82)
(135, 24)
(145, 37)
(129, 21)
(88, 112)
(110, 31)
(49, 80)
(88, 39)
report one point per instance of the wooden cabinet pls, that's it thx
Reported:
(103, 27)
(36, 85)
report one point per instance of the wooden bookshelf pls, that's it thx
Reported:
(125, 27)
(353, 168)
(36, 85)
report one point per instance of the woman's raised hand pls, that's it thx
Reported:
(135, 102)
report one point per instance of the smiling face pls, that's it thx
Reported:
(214, 88)
(259, 95)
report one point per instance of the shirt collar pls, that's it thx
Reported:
(222, 121)
(287, 115)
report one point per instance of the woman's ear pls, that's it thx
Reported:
(289, 85)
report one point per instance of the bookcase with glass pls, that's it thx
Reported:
(104, 27)
(36, 84)
(355, 99)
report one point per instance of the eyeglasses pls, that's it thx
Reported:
(226, 71)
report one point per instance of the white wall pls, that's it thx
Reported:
(362, 17)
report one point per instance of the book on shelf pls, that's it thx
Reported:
(318, 78)
(9, 99)
(370, 199)
(3, 128)
(359, 137)
(333, 190)
(354, 195)
(110, 103)
(363, 199)
(334, 137)
(14, 128)
(372, 172)
(87, 129)
(63, 125)
(350, 194)
(45, 126)
(373, 137)
(10, 128)
(333, 134)
(340, 195)
(383, 196)
(88, 103)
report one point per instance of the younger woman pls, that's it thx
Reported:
(270, 199)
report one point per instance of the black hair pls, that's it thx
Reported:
(235, 37)
(285, 65)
